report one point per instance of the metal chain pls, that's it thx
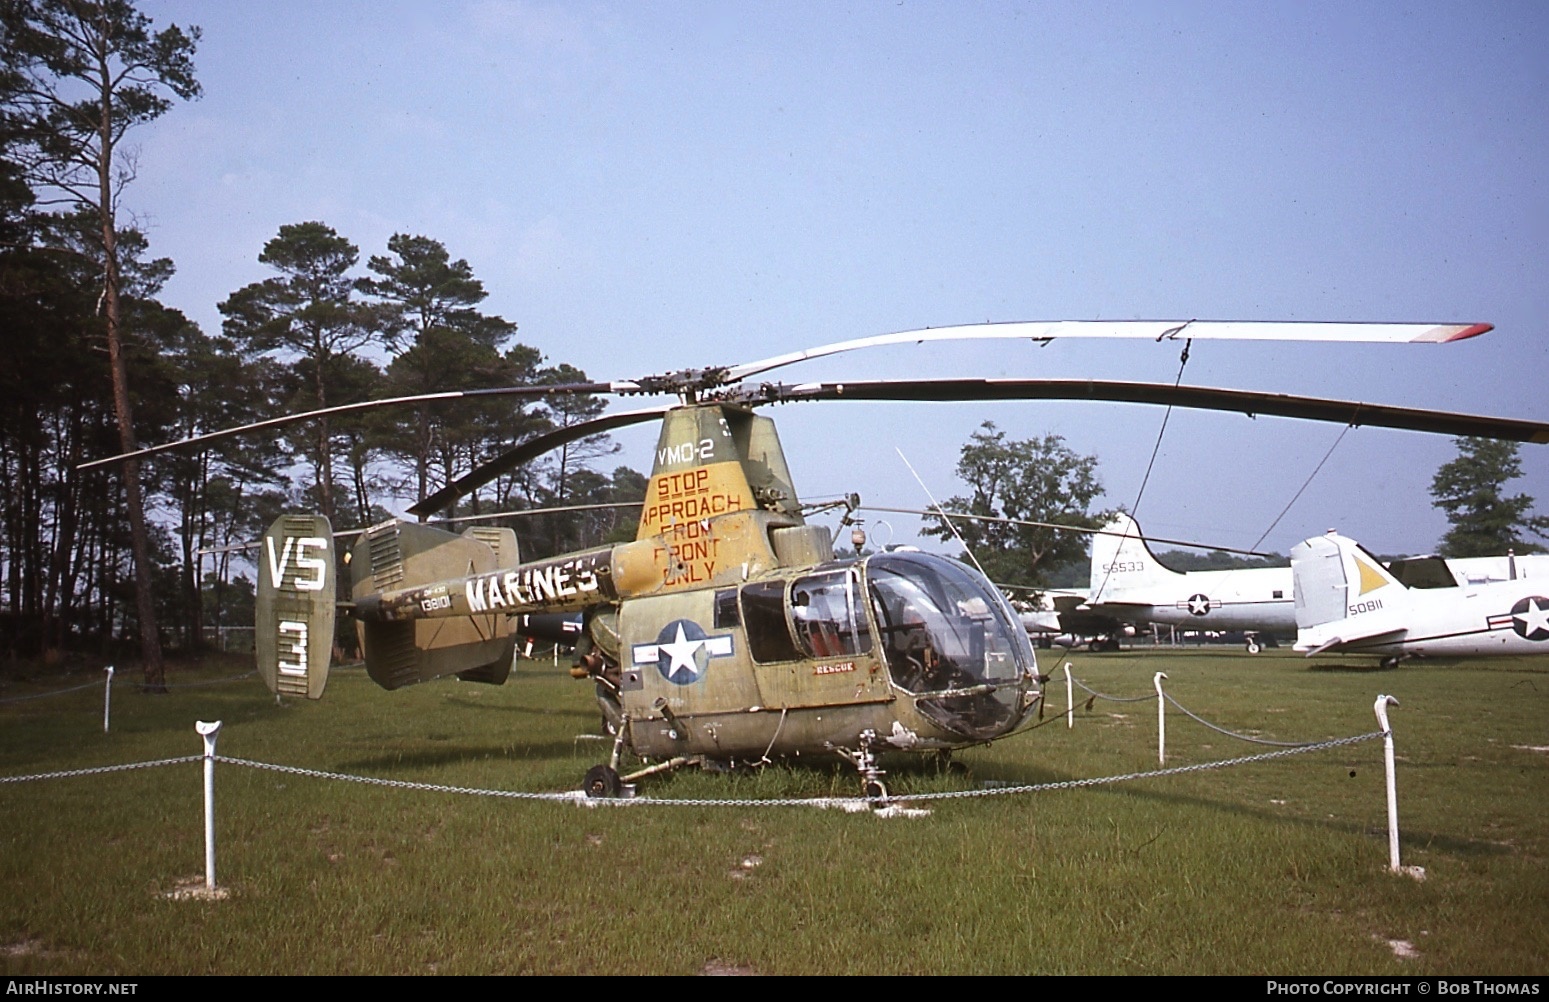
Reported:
(576, 796)
(1072, 784)
(126, 681)
(1195, 717)
(54, 692)
(1233, 734)
(401, 784)
(95, 770)
(1112, 699)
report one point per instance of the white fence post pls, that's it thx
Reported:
(1381, 708)
(209, 732)
(1161, 719)
(1070, 700)
(107, 698)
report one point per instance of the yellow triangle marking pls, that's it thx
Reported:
(1371, 578)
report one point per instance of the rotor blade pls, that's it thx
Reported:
(1048, 330)
(1252, 403)
(528, 451)
(559, 389)
(482, 517)
(939, 513)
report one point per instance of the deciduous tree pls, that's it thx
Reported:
(1470, 489)
(1034, 480)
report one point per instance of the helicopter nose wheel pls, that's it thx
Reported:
(602, 782)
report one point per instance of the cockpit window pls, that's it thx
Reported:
(827, 617)
(950, 640)
(763, 614)
(828, 612)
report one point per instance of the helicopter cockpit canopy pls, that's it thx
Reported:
(948, 637)
(951, 641)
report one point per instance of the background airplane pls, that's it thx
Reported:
(1348, 602)
(1128, 584)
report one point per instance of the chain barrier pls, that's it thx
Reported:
(54, 692)
(1233, 734)
(1196, 718)
(99, 769)
(117, 681)
(398, 784)
(576, 796)
(1001, 791)
(1073, 784)
(1112, 699)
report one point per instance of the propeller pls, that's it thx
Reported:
(1061, 527)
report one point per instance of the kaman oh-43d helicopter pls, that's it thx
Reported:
(728, 631)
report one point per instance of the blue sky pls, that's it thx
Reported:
(648, 186)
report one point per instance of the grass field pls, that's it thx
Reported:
(1272, 867)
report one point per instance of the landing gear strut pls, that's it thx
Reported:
(865, 762)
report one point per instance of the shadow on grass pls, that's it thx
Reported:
(1511, 666)
(581, 713)
(544, 754)
(1354, 668)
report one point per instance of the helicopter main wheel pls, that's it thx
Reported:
(1253, 647)
(602, 783)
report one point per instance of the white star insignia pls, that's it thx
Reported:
(681, 652)
(1532, 619)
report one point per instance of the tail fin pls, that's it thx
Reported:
(297, 589)
(400, 652)
(1343, 593)
(1122, 562)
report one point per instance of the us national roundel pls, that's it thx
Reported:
(1199, 605)
(682, 651)
(1530, 617)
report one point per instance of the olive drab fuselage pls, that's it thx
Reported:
(726, 629)
(903, 645)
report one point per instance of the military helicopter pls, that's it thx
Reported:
(728, 631)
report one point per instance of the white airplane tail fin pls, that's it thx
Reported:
(1342, 594)
(1123, 565)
